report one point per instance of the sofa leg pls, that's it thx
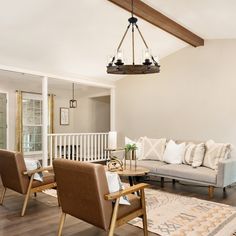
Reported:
(173, 181)
(224, 189)
(210, 191)
(162, 182)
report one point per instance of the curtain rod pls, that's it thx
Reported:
(32, 92)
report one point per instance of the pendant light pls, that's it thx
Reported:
(116, 64)
(73, 102)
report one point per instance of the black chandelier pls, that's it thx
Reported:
(73, 102)
(116, 64)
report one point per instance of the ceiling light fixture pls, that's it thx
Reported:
(116, 64)
(73, 102)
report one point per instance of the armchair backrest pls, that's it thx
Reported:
(12, 166)
(81, 187)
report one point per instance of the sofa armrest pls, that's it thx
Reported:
(226, 172)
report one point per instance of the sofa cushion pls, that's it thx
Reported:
(216, 152)
(153, 149)
(202, 174)
(139, 145)
(174, 152)
(151, 165)
(194, 154)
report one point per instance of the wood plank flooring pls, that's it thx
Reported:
(42, 214)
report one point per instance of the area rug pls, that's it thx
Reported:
(176, 215)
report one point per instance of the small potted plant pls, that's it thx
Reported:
(130, 149)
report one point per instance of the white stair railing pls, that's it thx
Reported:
(78, 146)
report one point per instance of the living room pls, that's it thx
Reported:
(168, 131)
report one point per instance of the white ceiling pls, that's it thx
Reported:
(76, 37)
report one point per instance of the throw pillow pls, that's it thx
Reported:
(174, 152)
(215, 152)
(194, 154)
(153, 149)
(139, 144)
(115, 185)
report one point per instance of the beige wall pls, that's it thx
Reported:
(192, 98)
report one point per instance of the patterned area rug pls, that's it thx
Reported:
(175, 215)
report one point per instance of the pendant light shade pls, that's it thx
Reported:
(73, 101)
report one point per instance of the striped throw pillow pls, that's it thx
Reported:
(194, 154)
(216, 152)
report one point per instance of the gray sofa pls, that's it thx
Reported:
(225, 176)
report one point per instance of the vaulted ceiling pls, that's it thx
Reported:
(76, 37)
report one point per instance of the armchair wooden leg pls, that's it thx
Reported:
(145, 229)
(210, 191)
(114, 217)
(62, 221)
(27, 196)
(3, 195)
(35, 194)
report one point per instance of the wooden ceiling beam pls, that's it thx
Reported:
(156, 18)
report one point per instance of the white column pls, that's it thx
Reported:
(45, 120)
(112, 110)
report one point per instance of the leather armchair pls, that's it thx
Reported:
(16, 177)
(83, 193)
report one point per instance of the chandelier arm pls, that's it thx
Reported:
(141, 36)
(145, 44)
(123, 37)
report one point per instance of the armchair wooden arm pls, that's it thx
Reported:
(118, 194)
(31, 172)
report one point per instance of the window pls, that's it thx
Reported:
(32, 123)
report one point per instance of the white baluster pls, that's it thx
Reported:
(102, 147)
(95, 147)
(105, 145)
(69, 137)
(60, 145)
(77, 147)
(51, 142)
(88, 147)
(99, 147)
(73, 147)
(91, 148)
(64, 146)
(55, 147)
(85, 144)
(80, 147)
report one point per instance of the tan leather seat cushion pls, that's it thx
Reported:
(48, 178)
(126, 209)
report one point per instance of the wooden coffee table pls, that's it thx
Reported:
(133, 173)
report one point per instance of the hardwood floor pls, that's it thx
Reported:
(42, 215)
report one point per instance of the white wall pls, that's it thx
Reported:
(193, 97)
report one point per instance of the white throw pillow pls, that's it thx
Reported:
(115, 185)
(139, 145)
(174, 153)
(153, 149)
(194, 154)
(216, 152)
